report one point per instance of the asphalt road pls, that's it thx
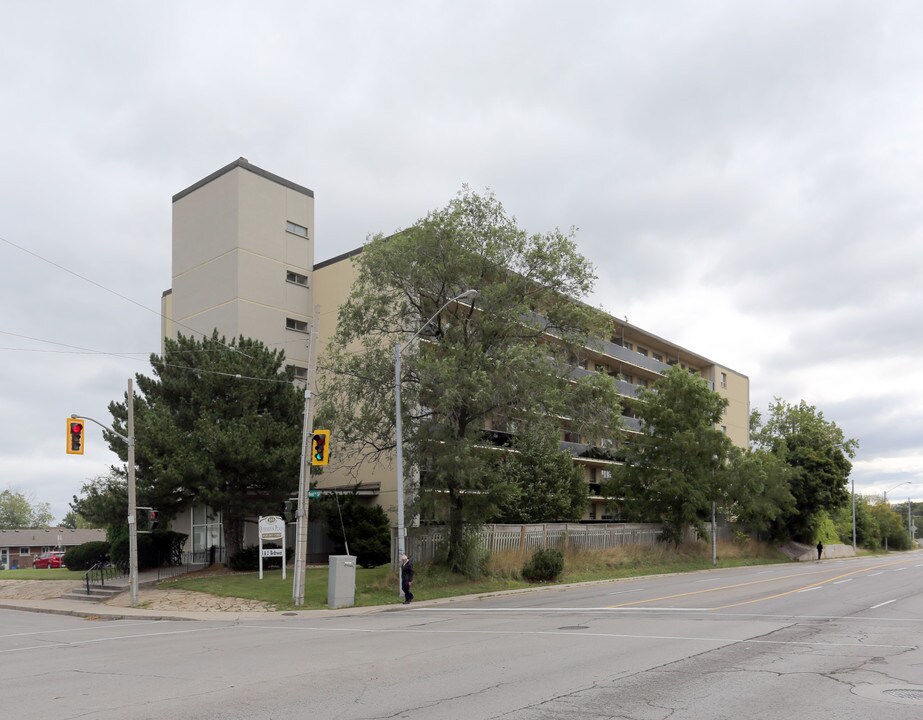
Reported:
(837, 639)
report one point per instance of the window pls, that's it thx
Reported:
(658, 357)
(296, 325)
(296, 229)
(724, 380)
(296, 278)
(627, 345)
(605, 474)
(571, 437)
(601, 368)
(642, 351)
(24, 551)
(299, 373)
(626, 378)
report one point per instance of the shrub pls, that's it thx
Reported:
(546, 565)
(161, 547)
(248, 559)
(369, 530)
(85, 556)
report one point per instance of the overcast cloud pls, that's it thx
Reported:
(746, 178)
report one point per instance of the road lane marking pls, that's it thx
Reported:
(840, 582)
(57, 645)
(886, 602)
(578, 634)
(809, 589)
(84, 628)
(874, 574)
(898, 569)
(790, 592)
(752, 582)
(622, 592)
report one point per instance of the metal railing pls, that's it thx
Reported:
(102, 571)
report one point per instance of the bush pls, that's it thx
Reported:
(156, 549)
(369, 530)
(85, 556)
(248, 559)
(546, 565)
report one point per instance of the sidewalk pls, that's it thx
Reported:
(153, 603)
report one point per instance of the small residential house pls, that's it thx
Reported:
(19, 546)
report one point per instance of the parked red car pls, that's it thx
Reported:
(53, 559)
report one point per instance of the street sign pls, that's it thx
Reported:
(273, 552)
(313, 494)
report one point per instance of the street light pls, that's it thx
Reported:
(906, 482)
(398, 349)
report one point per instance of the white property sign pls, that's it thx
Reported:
(272, 528)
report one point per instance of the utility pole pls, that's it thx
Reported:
(304, 483)
(129, 440)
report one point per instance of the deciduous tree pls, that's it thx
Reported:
(501, 357)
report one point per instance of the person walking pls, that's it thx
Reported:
(406, 578)
(820, 549)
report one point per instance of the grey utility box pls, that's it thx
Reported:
(341, 582)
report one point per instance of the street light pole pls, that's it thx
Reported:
(906, 482)
(398, 429)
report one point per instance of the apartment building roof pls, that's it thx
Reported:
(244, 164)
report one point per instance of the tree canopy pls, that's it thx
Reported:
(18, 510)
(818, 453)
(499, 359)
(674, 470)
(219, 424)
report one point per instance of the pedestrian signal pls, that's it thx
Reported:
(75, 428)
(320, 447)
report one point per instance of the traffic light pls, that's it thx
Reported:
(320, 447)
(154, 519)
(75, 429)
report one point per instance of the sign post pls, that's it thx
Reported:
(272, 529)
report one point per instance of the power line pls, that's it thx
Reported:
(113, 292)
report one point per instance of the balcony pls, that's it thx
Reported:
(630, 356)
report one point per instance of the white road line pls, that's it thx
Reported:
(840, 582)
(58, 645)
(709, 579)
(898, 569)
(809, 589)
(887, 602)
(98, 626)
(874, 574)
(622, 592)
(577, 634)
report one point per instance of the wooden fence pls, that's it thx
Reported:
(424, 542)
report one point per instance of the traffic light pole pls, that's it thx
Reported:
(132, 507)
(304, 483)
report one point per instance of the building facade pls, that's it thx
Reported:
(243, 262)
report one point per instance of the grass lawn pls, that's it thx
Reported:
(378, 586)
(42, 574)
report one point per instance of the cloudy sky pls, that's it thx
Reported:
(745, 176)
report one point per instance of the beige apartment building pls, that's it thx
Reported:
(243, 262)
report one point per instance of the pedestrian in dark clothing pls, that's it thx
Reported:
(820, 549)
(406, 578)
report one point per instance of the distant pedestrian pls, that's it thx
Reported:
(820, 549)
(406, 578)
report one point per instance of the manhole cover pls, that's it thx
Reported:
(905, 693)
